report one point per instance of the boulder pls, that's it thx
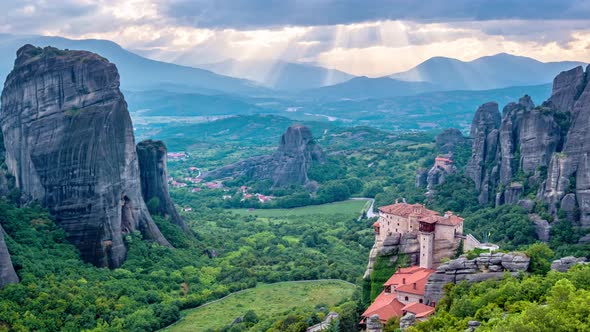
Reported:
(70, 146)
(406, 321)
(151, 156)
(542, 227)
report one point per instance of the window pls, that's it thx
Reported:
(420, 301)
(406, 298)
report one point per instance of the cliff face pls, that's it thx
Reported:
(484, 133)
(543, 147)
(69, 144)
(7, 274)
(154, 184)
(288, 165)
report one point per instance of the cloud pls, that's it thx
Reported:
(249, 14)
(369, 37)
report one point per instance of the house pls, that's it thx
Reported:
(402, 293)
(439, 236)
(196, 190)
(187, 209)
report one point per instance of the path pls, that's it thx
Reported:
(369, 212)
(323, 324)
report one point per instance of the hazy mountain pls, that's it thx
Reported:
(280, 75)
(369, 88)
(489, 72)
(136, 72)
(166, 103)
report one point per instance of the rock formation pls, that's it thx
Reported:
(7, 274)
(394, 245)
(154, 180)
(486, 266)
(407, 321)
(545, 147)
(565, 263)
(70, 146)
(449, 140)
(288, 165)
(484, 133)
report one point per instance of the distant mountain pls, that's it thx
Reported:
(489, 72)
(137, 73)
(166, 103)
(280, 75)
(369, 88)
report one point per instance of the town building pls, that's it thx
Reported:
(402, 293)
(438, 236)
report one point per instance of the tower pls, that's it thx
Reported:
(426, 237)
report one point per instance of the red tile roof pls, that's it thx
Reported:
(405, 210)
(449, 220)
(386, 306)
(404, 279)
(419, 309)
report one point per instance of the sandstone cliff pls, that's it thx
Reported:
(69, 144)
(7, 274)
(288, 165)
(154, 184)
(540, 151)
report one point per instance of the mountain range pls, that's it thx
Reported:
(294, 81)
(488, 72)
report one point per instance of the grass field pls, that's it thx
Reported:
(267, 301)
(351, 207)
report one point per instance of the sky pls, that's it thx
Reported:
(362, 37)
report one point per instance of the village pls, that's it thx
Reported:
(193, 182)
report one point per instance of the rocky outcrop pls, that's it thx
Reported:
(482, 166)
(486, 266)
(7, 273)
(449, 140)
(151, 156)
(510, 195)
(70, 146)
(546, 147)
(542, 227)
(565, 263)
(374, 324)
(288, 165)
(421, 177)
(407, 321)
(569, 170)
(392, 246)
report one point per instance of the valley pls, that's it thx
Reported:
(273, 191)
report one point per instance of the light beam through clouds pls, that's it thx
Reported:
(369, 39)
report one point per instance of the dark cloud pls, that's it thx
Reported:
(241, 14)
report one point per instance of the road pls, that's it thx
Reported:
(370, 213)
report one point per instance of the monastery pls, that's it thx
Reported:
(438, 236)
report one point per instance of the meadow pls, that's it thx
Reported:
(268, 301)
(349, 207)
